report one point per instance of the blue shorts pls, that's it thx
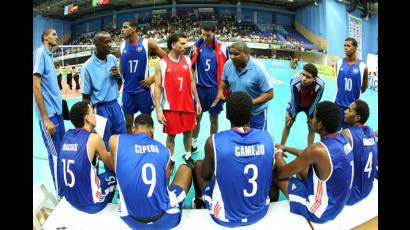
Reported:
(207, 97)
(53, 143)
(342, 124)
(137, 102)
(300, 109)
(107, 184)
(301, 192)
(167, 220)
(115, 119)
(207, 197)
(259, 121)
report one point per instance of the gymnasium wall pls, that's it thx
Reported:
(41, 23)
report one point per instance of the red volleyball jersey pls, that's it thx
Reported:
(176, 84)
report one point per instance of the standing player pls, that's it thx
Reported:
(325, 170)
(101, 83)
(143, 169)
(235, 176)
(78, 177)
(136, 95)
(48, 99)
(208, 57)
(351, 78)
(174, 87)
(306, 91)
(365, 152)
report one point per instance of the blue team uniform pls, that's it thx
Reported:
(134, 68)
(78, 178)
(365, 155)
(238, 195)
(349, 83)
(294, 107)
(145, 200)
(322, 200)
(103, 91)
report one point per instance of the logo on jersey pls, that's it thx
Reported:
(185, 67)
(293, 186)
(139, 49)
(355, 71)
(200, 50)
(168, 70)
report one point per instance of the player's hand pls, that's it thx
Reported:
(198, 109)
(146, 83)
(280, 147)
(49, 126)
(280, 153)
(114, 72)
(161, 118)
(219, 96)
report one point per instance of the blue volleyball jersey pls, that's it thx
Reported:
(365, 155)
(134, 65)
(349, 81)
(77, 176)
(140, 168)
(328, 197)
(243, 175)
(206, 67)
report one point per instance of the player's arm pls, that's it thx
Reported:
(264, 97)
(195, 93)
(157, 94)
(97, 146)
(291, 150)
(152, 45)
(168, 170)
(113, 148)
(86, 85)
(308, 156)
(265, 87)
(208, 166)
(220, 95)
(347, 134)
(38, 95)
(365, 80)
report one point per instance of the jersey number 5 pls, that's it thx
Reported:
(252, 180)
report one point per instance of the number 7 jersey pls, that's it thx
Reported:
(176, 85)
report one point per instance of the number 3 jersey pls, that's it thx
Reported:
(176, 85)
(243, 176)
(365, 155)
(141, 176)
(78, 179)
(349, 81)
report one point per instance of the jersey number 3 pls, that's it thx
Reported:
(252, 180)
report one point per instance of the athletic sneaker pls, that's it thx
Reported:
(190, 162)
(194, 150)
(197, 203)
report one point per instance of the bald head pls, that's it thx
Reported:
(99, 35)
(102, 42)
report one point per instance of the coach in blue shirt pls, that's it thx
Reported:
(244, 73)
(101, 82)
(48, 106)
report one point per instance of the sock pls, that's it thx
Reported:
(187, 155)
(194, 140)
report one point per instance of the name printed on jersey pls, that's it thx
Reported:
(348, 148)
(70, 147)
(249, 150)
(146, 148)
(368, 141)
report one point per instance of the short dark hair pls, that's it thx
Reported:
(310, 68)
(98, 36)
(77, 113)
(143, 120)
(239, 108)
(46, 32)
(354, 42)
(362, 109)
(329, 114)
(174, 38)
(241, 46)
(133, 23)
(208, 26)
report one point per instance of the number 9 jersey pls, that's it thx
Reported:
(238, 195)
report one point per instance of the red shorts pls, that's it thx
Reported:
(178, 122)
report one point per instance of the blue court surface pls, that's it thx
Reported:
(280, 76)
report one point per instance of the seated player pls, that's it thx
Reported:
(306, 91)
(235, 176)
(365, 152)
(142, 166)
(78, 178)
(325, 170)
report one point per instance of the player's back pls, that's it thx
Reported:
(330, 195)
(365, 155)
(78, 178)
(134, 64)
(349, 81)
(243, 175)
(141, 176)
